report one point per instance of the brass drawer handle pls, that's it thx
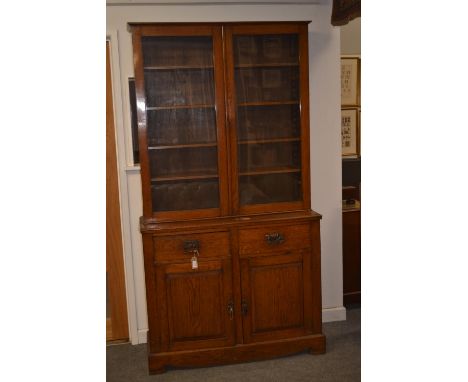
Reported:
(191, 245)
(274, 238)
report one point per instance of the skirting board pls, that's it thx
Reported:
(142, 337)
(334, 314)
(328, 315)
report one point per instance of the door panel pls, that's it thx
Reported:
(268, 92)
(273, 296)
(179, 82)
(197, 304)
(281, 305)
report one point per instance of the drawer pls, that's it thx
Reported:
(210, 245)
(274, 238)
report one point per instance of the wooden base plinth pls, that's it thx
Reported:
(314, 344)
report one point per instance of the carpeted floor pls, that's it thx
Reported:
(341, 363)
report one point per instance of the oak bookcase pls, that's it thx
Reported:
(231, 246)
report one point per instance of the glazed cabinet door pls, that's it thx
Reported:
(180, 106)
(276, 296)
(196, 305)
(268, 116)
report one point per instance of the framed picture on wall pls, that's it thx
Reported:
(350, 132)
(350, 81)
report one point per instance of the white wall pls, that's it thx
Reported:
(324, 53)
(351, 37)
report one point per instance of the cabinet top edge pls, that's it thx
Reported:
(152, 224)
(227, 23)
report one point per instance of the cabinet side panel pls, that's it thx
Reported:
(316, 300)
(154, 335)
(305, 120)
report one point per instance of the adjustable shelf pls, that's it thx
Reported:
(183, 146)
(271, 170)
(179, 67)
(271, 140)
(267, 103)
(201, 106)
(166, 178)
(267, 65)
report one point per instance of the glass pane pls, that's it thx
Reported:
(267, 122)
(185, 195)
(267, 84)
(266, 49)
(173, 51)
(268, 118)
(179, 87)
(270, 188)
(269, 156)
(183, 162)
(181, 122)
(181, 126)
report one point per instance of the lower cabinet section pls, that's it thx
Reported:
(234, 305)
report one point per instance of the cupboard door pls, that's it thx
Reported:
(268, 113)
(276, 296)
(197, 305)
(182, 121)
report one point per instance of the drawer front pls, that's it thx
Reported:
(274, 238)
(177, 247)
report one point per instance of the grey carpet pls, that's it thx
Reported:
(341, 363)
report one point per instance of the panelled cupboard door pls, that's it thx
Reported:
(276, 297)
(179, 77)
(268, 114)
(197, 305)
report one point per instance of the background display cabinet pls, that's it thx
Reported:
(231, 246)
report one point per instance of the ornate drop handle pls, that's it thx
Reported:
(274, 238)
(191, 246)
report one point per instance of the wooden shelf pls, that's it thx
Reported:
(268, 103)
(272, 140)
(190, 145)
(180, 107)
(183, 177)
(267, 65)
(179, 67)
(271, 170)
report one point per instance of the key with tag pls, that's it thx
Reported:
(195, 259)
(194, 262)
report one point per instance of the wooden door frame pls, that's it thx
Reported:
(117, 321)
(135, 337)
(215, 32)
